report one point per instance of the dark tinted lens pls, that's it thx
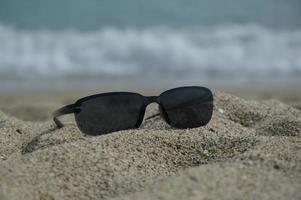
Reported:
(107, 113)
(187, 107)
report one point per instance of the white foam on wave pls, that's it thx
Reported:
(233, 51)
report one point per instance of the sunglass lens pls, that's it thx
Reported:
(101, 114)
(187, 107)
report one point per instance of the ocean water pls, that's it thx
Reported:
(235, 40)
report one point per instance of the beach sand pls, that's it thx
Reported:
(251, 149)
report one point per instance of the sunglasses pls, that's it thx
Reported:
(184, 107)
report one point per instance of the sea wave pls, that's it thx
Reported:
(237, 51)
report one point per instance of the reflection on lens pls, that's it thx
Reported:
(108, 112)
(187, 107)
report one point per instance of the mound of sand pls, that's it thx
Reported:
(250, 150)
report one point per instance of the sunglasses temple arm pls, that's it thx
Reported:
(68, 109)
(153, 116)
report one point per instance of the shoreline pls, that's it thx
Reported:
(142, 82)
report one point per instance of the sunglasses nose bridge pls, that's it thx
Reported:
(151, 99)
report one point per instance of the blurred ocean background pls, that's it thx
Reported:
(79, 43)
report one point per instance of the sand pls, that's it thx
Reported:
(250, 150)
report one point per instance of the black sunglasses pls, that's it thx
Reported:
(184, 107)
